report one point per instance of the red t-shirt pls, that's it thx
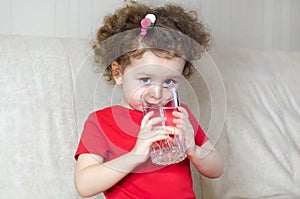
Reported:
(112, 132)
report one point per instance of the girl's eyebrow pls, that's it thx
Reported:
(144, 74)
(167, 76)
(173, 76)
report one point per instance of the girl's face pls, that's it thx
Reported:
(141, 73)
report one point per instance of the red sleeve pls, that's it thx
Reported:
(92, 139)
(200, 136)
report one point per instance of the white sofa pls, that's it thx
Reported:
(47, 89)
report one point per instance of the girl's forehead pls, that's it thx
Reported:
(149, 62)
(155, 70)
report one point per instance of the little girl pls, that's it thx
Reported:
(140, 46)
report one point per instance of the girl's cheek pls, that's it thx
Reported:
(136, 104)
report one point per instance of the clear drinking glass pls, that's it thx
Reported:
(163, 101)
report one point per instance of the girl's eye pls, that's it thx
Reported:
(145, 80)
(169, 82)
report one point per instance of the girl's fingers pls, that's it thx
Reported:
(146, 119)
(160, 134)
(159, 137)
(183, 110)
(154, 133)
(180, 120)
(155, 120)
(181, 113)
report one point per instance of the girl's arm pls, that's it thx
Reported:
(93, 175)
(205, 158)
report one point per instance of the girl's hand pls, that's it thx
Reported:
(205, 158)
(183, 124)
(148, 135)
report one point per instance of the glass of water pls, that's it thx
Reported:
(163, 100)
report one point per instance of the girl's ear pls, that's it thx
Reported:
(117, 72)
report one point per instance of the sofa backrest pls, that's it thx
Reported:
(261, 134)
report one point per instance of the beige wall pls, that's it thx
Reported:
(258, 24)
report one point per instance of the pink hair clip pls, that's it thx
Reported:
(147, 23)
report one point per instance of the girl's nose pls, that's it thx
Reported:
(156, 92)
(152, 96)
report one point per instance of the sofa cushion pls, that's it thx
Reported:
(38, 131)
(261, 135)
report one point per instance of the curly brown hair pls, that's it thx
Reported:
(177, 32)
